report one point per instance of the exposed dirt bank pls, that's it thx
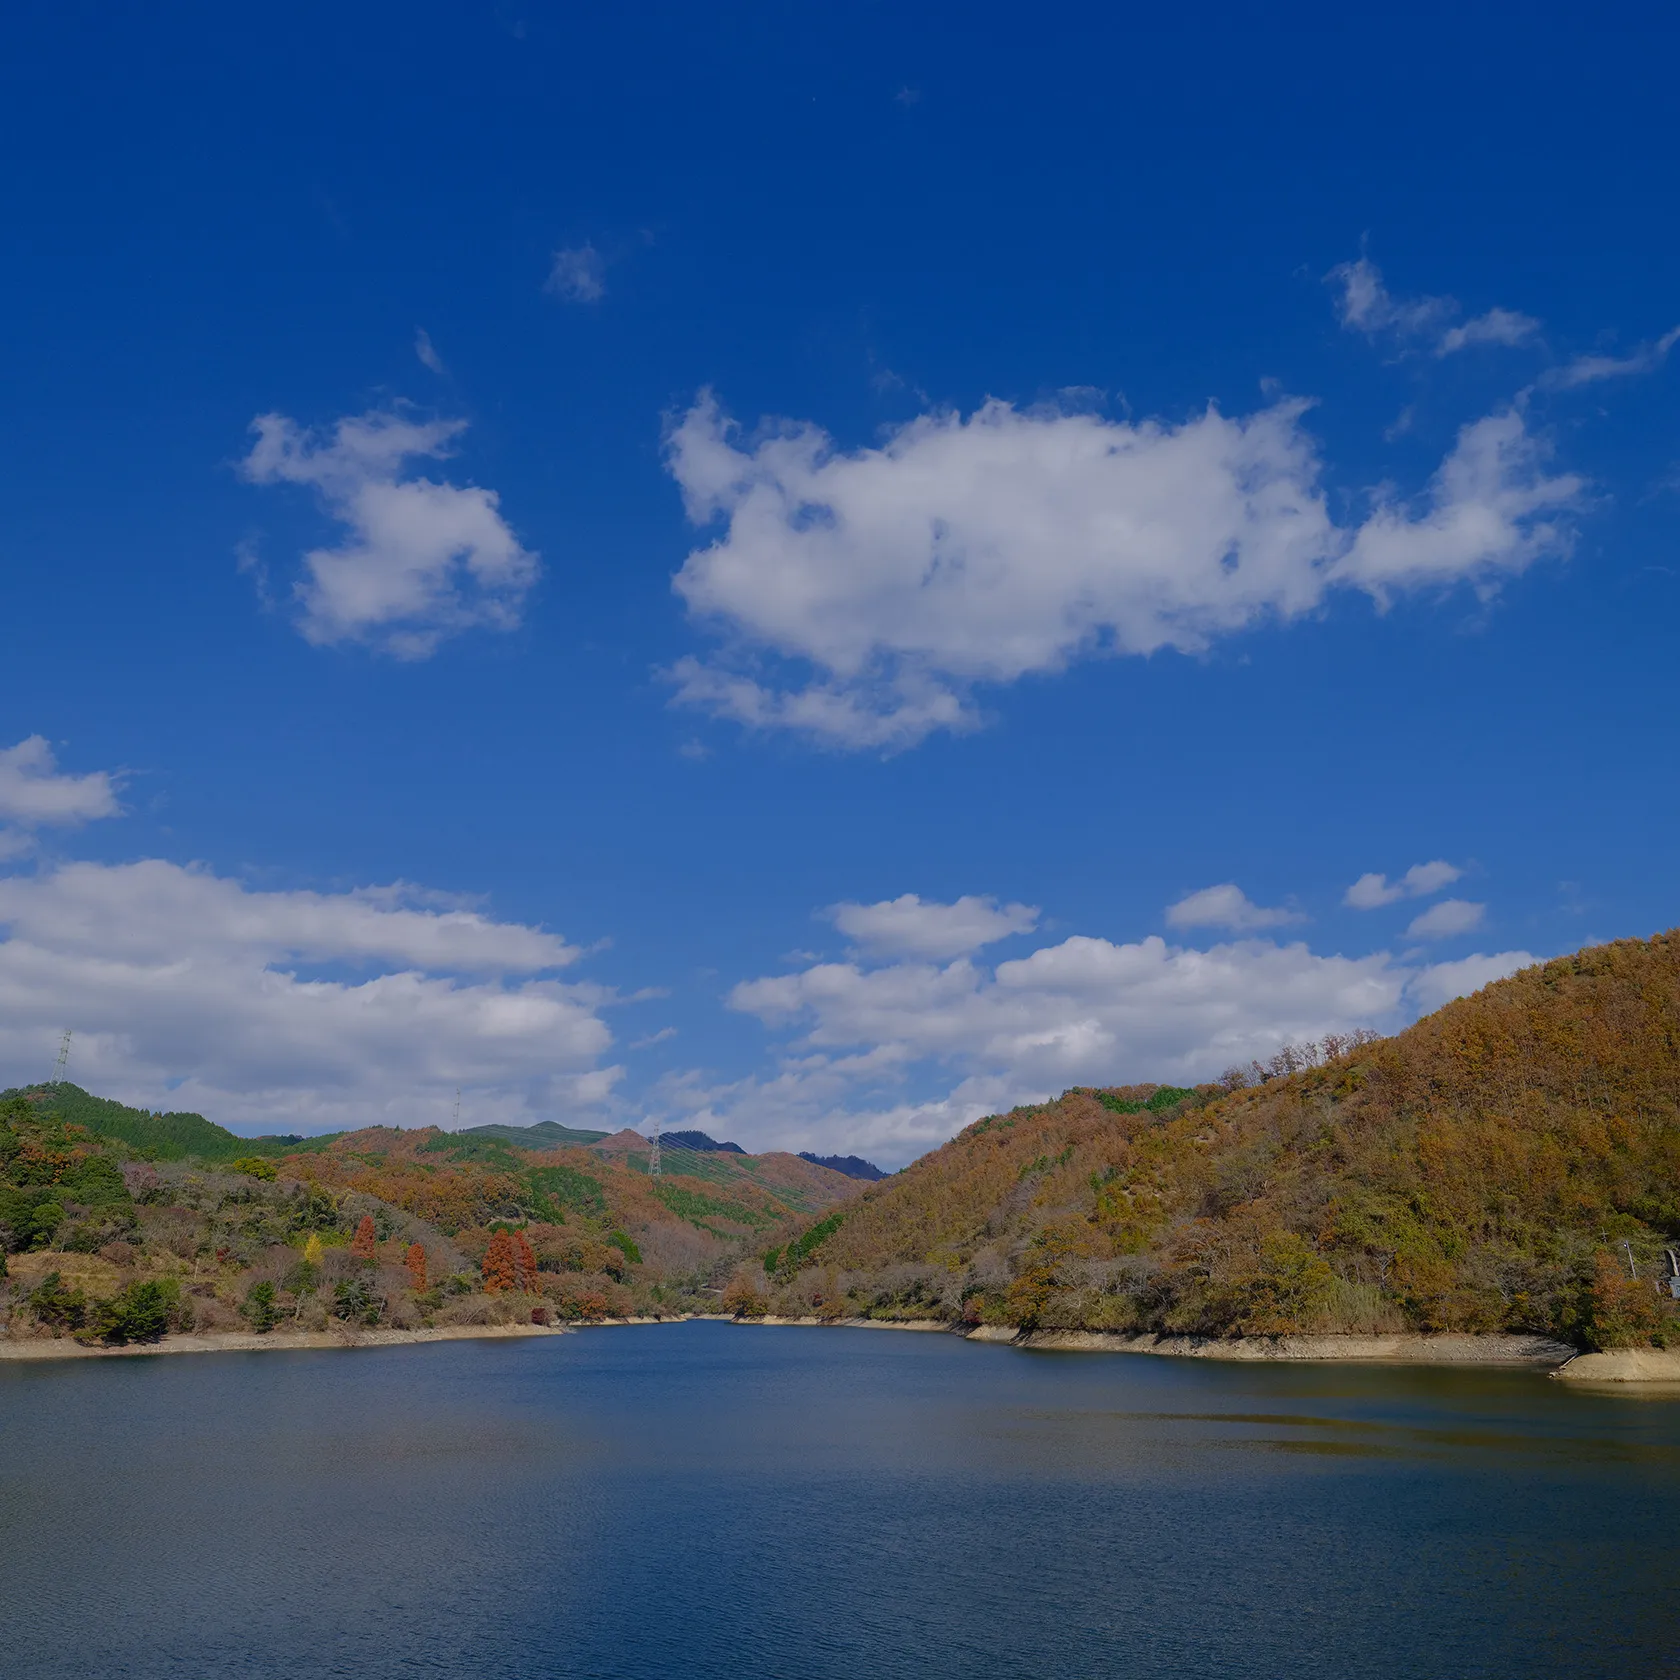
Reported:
(1631, 1365)
(245, 1341)
(1403, 1349)
(1624, 1365)
(1396, 1349)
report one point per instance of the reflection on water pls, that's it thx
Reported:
(704, 1500)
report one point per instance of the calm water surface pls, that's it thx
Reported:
(704, 1501)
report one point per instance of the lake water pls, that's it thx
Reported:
(705, 1500)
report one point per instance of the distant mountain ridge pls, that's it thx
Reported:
(699, 1142)
(853, 1166)
(546, 1134)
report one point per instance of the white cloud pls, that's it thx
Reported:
(185, 991)
(1483, 517)
(1440, 983)
(1084, 1011)
(891, 1060)
(578, 274)
(1366, 305)
(1588, 370)
(863, 595)
(426, 351)
(130, 910)
(1372, 891)
(1226, 906)
(33, 790)
(1446, 920)
(422, 560)
(1498, 326)
(916, 927)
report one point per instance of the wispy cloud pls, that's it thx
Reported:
(1366, 305)
(1497, 326)
(424, 349)
(1588, 370)
(578, 274)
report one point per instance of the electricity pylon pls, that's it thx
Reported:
(63, 1058)
(653, 1151)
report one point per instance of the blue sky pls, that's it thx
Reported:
(817, 572)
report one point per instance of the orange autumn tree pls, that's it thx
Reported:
(525, 1263)
(365, 1244)
(499, 1268)
(415, 1260)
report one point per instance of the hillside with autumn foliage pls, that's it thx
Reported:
(117, 1225)
(1510, 1163)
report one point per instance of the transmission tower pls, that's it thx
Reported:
(455, 1124)
(63, 1058)
(653, 1151)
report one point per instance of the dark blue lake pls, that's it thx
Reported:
(704, 1500)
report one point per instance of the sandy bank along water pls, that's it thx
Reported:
(1623, 1365)
(1629, 1365)
(271, 1341)
(1442, 1349)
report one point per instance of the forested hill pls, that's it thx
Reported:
(121, 1225)
(1505, 1164)
(159, 1137)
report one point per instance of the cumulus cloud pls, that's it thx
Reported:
(917, 927)
(1372, 891)
(1446, 920)
(1440, 983)
(1483, 517)
(1366, 305)
(1226, 906)
(291, 1011)
(421, 560)
(34, 791)
(1085, 1011)
(1588, 370)
(863, 595)
(578, 274)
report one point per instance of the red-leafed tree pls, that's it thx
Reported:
(525, 1262)
(365, 1244)
(500, 1272)
(415, 1260)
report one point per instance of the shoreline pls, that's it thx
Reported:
(270, 1341)
(1446, 1348)
(1620, 1368)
